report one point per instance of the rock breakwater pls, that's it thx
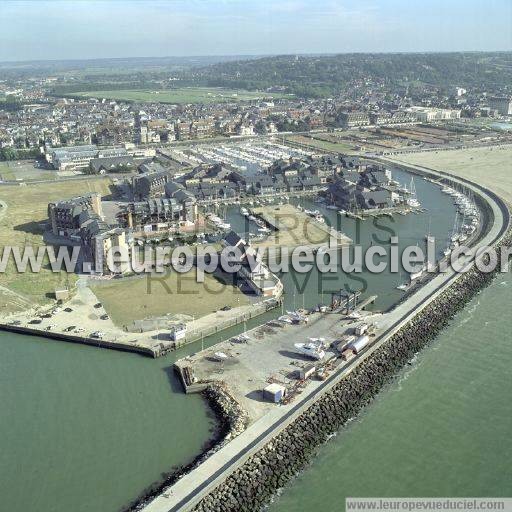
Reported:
(231, 419)
(253, 484)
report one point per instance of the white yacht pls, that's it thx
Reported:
(220, 356)
(311, 349)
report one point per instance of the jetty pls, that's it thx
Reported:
(293, 227)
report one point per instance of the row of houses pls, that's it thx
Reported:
(365, 188)
(80, 221)
(219, 181)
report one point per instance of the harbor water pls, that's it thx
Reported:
(87, 429)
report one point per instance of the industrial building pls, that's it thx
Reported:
(75, 158)
(429, 114)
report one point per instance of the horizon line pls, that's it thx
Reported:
(252, 55)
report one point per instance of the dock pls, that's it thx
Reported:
(292, 228)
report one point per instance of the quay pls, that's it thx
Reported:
(293, 228)
(249, 200)
(191, 488)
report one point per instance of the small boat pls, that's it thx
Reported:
(220, 356)
(311, 349)
(354, 315)
(402, 286)
(418, 273)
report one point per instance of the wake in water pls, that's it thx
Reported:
(469, 313)
(408, 370)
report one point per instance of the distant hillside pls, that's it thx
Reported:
(318, 76)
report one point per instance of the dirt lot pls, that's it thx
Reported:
(491, 167)
(295, 228)
(140, 297)
(22, 222)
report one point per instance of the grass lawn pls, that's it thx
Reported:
(22, 223)
(488, 166)
(181, 95)
(5, 172)
(145, 296)
(24, 170)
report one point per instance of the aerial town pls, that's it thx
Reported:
(274, 160)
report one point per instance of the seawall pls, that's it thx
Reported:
(83, 340)
(249, 487)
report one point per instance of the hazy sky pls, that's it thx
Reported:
(121, 28)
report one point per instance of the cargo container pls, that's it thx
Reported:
(361, 329)
(274, 393)
(307, 371)
(359, 344)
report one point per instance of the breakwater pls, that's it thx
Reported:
(231, 420)
(253, 484)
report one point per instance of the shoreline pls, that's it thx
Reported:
(231, 420)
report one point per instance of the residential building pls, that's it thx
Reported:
(502, 104)
(353, 119)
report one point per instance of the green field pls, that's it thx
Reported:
(182, 95)
(22, 217)
(145, 296)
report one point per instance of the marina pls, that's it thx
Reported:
(387, 325)
(313, 294)
(251, 156)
